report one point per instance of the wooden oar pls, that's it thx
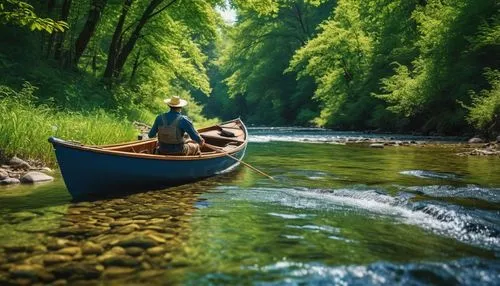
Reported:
(232, 157)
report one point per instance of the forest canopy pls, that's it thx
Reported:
(391, 65)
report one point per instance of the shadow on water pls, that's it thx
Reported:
(52, 194)
(41, 195)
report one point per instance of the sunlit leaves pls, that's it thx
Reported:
(337, 57)
(488, 34)
(22, 14)
(485, 110)
(261, 7)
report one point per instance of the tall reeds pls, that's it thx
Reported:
(25, 127)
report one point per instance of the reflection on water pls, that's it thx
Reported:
(335, 215)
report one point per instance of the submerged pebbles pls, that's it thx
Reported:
(126, 239)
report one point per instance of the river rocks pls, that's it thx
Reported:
(134, 251)
(127, 229)
(480, 152)
(71, 251)
(59, 243)
(18, 163)
(19, 217)
(77, 271)
(142, 242)
(91, 248)
(50, 259)
(156, 238)
(35, 177)
(3, 174)
(377, 145)
(113, 272)
(155, 251)
(18, 248)
(17, 171)
(10, 181)
(46, 170)
(120, 260)
(475, 140)
(31, 272)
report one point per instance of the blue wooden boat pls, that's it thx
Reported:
(133, 166)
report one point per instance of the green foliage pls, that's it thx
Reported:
(383, 64)
(256, 55)
(22, 14)
(485, 110)
(350, 55)
(25, 126)
(436, 49)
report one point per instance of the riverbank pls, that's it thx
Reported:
(26, 126)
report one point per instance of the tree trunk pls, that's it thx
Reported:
(129, 45)
(114, 46)
(136, 65)
(94, 63)
(96, 8)
(123, 53)
(50, 10)
(60, 36)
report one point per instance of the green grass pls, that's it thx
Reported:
(25, 127)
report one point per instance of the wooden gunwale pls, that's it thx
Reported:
(103, 150)
(136, 143)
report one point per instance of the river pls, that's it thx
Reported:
(334, 215)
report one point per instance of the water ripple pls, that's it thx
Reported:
(467, 271)
(473, 226)
(430, 174)
(469, 191)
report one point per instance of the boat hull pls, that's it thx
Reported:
(103, 170)
(87, 173)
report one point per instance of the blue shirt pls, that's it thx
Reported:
(184, 125)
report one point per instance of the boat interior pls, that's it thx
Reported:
(225, 137)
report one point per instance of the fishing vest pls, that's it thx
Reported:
(170, 134)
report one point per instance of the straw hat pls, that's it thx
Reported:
(175, 101)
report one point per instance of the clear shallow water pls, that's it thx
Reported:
(336, 214)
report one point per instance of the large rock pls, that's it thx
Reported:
(50, 259)
(91, 248)
(9, 181)
(19, 163)
(474, 140)
(134, 251)
(35, 177)
(71, 251)
(3, 174)
(377, 145)
(498, 138)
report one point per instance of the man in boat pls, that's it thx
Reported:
(171, 128)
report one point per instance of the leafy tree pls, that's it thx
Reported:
(22, 14)
(262, 44)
